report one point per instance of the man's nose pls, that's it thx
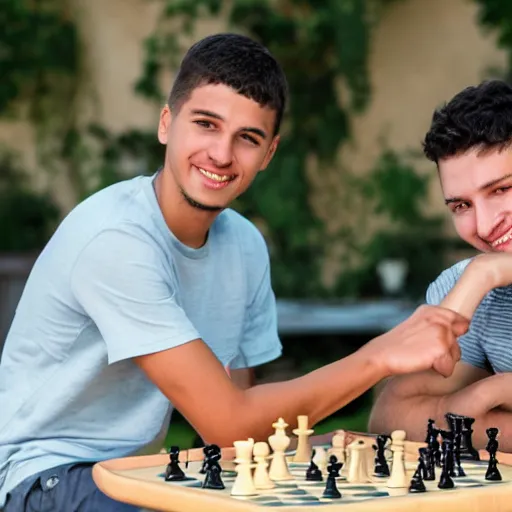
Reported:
(221, 152)
(488, 225)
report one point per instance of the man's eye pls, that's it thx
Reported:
(501, 190)
(250, 139)
(203, 124)
(460, 207)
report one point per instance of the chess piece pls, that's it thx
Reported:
(261, 453)
(493, 473)
(206, 448)
(417, 484)
(303, 452)
(445, 480)
(358, 471)
(398, 478)
(333, 469)
(381, 467)
(433, 443)
(243, 484)
(428, 465)
(320, 458)
(313, 473)
(338, 446)
(455, 422)
(213, 470)
(173, 472)
(279, 442)
(467, 451)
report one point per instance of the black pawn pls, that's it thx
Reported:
(206, 449)
(173, 472)
(381, 464)
(331, 490)
(313, 473)
(493, 473)
(417, 484)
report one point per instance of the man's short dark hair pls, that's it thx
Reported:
(479, 117)
(237, 62)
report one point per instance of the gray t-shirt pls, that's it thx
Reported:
(114, 283)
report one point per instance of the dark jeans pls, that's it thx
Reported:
(68, 488)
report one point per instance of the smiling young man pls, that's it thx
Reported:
(470, 140)
(152, 291)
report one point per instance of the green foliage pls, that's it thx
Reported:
(27, 218)
(497, 15)
(39, 45)
(320, 44)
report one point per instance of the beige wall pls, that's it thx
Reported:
(422, 53)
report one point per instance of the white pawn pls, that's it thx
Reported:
(338, 447)
(244, 484)
(303, 452)
(279, 442)
(398, 478)
(261, 453)
(320, 458)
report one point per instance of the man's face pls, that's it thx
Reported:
(477, 187)
(216, 144)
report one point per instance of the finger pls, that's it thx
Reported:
(444, 365)
(455, 351)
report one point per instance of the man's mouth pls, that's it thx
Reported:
(220, 178)
(505, 238)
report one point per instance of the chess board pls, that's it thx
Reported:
(140, 481)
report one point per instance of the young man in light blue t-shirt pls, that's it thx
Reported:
(152, 292)
(470, 140)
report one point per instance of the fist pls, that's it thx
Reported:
(426, 340)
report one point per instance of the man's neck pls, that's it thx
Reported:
(188, 224)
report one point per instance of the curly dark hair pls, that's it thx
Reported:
(477, 117)
(238, 62)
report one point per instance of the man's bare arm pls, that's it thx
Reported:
(244, 378)
(407, 402)
(198, 386)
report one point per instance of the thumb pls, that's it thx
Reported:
(460, 326)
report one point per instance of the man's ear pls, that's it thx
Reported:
(164, 125)
(271, 152)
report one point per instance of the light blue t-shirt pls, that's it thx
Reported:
(114, 283)
(487, 344)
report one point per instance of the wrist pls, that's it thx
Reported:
(372, 358)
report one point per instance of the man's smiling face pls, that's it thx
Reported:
(217, 142)
(477, 187)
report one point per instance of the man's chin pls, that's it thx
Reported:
(200, 204)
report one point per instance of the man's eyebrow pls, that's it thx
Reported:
(450, 200)
(496, 181)
(208, 113)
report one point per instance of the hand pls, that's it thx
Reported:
(427, 339)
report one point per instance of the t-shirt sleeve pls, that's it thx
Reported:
(120, 281)
(260, 340)
(471, 343)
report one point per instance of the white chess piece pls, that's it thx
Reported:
(338, 447)
(261, 453)
(320, 458)
(398, 478)
(358, 471)
(279, 442)
(303, 452)
(243, 484)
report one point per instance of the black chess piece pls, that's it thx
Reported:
(492, 473)
(448, 435)
(467, 451)
(173, 472)
(381, 464)
(206, 449)
(428, 464)
(213, 470)
(417, 484)
(455, 422)
(333, 469)
(445, 480)
(433, 443)
(313, 473)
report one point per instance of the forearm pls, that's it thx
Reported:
(317, 395)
